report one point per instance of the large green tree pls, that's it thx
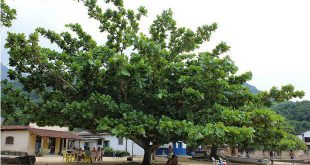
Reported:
(7, 14)
(151, 88)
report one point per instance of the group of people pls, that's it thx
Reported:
(94, 154)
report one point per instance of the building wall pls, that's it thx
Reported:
(307, 134)
(137, 150)
(91, 143)
(178, 148)
(31, 143)
(21, 138)
(74, 143)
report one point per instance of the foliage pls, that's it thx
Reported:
(297, 113)
(151, 88)
(299, 127)
(291, 142)
(121, 153)
(7, 14)
(108, 151)
(15, 104)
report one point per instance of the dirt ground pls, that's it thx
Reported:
(50, 160)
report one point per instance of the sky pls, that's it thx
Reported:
(269, 38)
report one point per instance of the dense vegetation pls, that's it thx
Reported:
(7, 14)
(151, 88)
(298, 114)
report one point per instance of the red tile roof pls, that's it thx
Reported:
(43, 132)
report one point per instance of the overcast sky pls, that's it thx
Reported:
(269, 38)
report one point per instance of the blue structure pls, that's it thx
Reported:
(178, 148)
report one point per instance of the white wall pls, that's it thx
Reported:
(167, 145)
(137, 150)
(91, 144)
(77, 144)
(307, 134)
(20, 140)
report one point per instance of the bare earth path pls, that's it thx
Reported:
(50, 160)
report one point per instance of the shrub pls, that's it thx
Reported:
(108, 151)
(121, 153)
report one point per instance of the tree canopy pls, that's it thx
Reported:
(152, 88)
(7, 14)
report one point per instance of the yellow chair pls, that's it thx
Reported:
(64, 155)
(71, 157)
(68, 158)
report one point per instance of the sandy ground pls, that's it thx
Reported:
(48, 160)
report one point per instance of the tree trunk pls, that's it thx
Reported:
(147, 156)
(213, 152)
(233, 151)
(154, 155)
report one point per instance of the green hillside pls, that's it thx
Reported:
(252, 88)
(297, 113)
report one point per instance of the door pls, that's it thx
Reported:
(51, 145)
(38, 144)
(60, 146)
(180, 145)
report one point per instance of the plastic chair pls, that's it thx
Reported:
(71, 157)
(68, 157)
(223, 162)
(215, 162)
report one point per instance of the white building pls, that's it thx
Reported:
(103, 140)
(35, 140)
(306, 138)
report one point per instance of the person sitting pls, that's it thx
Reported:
(79, 154)
(173, 160)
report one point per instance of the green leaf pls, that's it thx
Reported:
(125, 73)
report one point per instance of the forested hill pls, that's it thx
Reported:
(252, 88)
(297, 113)
(4, 71)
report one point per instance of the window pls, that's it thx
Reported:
(9, 140)
(307, 139)
(106, 143)
(120, 141)
(99, 142)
